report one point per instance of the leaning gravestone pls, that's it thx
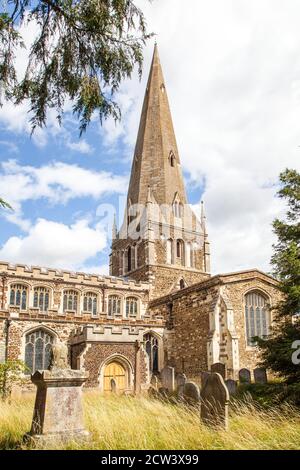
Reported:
(180, 381)
(260, 375)
(167, 377)
(219, 368)
(58, 409)
(191, 393)
(214, 401)
(245, 376)
(231, 386)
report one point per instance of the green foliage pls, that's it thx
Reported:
(277, 350)
(82, 52)
(11, 373)
(4, 204)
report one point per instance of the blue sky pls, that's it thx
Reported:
(232, 72)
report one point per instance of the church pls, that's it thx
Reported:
(160, 305)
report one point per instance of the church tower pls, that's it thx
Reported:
(161, 239)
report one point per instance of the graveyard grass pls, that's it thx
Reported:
(144, 423)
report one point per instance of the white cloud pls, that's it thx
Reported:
(56, 182)
(53, 244)
(82, 146)
(232, 72)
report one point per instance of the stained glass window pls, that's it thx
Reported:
(38, 346)
(256, 316)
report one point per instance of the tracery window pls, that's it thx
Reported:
(70, 300)
(151, 347)
(131, 306)
(41, 298)
(90, 303)
(114, 305)
(38, 347)
(256, 316)
(18, 296)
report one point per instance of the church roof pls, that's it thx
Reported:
(156, 161)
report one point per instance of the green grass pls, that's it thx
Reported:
(144, 423)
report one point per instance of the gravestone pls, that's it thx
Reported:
(231, 386)
(58, 412)
(154, 382)
(214, 401)
(260, 375)
(204, 376)
(180, 381)
(167, 377)
(219, 368)
(245, 376)
(191, 393)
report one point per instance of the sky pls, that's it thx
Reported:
(232, 73)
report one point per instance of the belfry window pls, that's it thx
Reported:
(90, 303)
(41, 298)
(257, 317)
(151, 347)
(38, 347)
(18, 296)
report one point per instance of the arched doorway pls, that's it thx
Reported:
(114, 378)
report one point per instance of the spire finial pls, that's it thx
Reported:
(114, 228)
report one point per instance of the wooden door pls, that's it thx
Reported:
(114, 378)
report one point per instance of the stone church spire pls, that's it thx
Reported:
(156, 162)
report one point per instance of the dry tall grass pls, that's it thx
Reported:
(143, 423)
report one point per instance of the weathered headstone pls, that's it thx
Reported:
(260, 375)
(214, 401)
(154, 382)
(219, 368)
(191, 393)
(58, 409)
(231, 386)
(204, 376)
(180, 382)
(245, 376)
(167, 377)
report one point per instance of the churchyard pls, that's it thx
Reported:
(146, 423)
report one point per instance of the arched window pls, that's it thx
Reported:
(151, 347)
(133, 256)
(38, 347)
(18, 296)
(169, 248)
(41, 298)
(172, 159)
(70, 300)
(181, 284)
(90, 303)
(131, 307)
(129, 259)
(256, 316)
(180, 251)
(114, 305)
